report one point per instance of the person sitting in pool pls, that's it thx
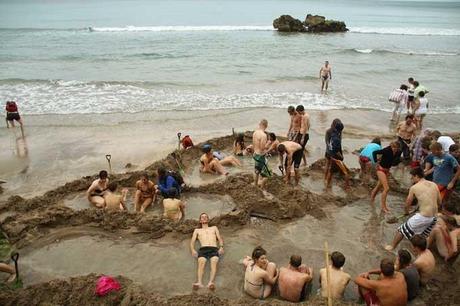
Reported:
(294, 279)
(339, 279)
(445, 236)
(8, 269)
(389, 290)
(290, 153)
(173, 209)
(167, 186)
(424, 262)
(260, 275)
(208, 236)
(210, 164)
(95, 192)
(115, 201)
(145, 193)
(272, 144)
(238, 145)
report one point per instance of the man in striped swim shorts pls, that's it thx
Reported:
(429, 199)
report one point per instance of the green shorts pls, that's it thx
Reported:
(260, 166)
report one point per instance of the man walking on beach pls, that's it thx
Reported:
(208, 237)
(259, 142)
(325, 74)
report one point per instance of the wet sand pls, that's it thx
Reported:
(64, 148)
(59, 235)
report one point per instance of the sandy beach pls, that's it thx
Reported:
(52, 226)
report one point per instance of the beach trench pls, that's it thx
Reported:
(65, 244)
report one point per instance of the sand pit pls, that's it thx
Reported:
(59, 235)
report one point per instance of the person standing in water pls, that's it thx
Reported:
(294, 126)
(115, 201)
(95, 192)
(12, 114)
(325, 74)
(259, 141)
(208, 237)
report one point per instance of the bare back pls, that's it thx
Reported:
(172, 209)
(112, 201)
(339, 281)
(290, 284)
(392, 291)
(259, 141)
(428, 197)
(425, 264)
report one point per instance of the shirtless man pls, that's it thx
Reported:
(95, 192)
(294, 127)
(210, 164)
(445, 235)
(290, 153)
(260, 275)
(173, 209)
(339, 279)
(303, 135)
(145, 193)
(406, 133)
(325, 74)
(428, 198)
(294, 279)
(115, 201)
(425, 262)
(208, 237)
(389, 290)
(259, 141)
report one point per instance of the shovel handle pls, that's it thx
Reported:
(179, 135)
(108, 157)
(14, 258)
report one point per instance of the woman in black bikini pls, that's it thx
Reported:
(95, 192)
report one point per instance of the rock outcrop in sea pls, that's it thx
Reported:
(312, 24)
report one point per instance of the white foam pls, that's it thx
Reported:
(406, 31)
(181, 28)
(366, 51)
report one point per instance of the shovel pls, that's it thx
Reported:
(109, 157)
(178, 138)
(14, 258)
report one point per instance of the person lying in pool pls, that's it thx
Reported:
(211, 164)
(208, 236)
(95, 192)
(115, 201)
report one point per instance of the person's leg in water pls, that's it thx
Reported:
(98, 201)
(271, 270)
(137, 200)
(146, 203)
(328, 174)
(396, 240)
(214, 260)
(296, 176)
(230, 161)
(216, 166)
(376, 189)
(304, 157)
(200, 271)
(8, 269)
(386, 188)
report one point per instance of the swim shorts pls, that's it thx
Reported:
(260, 166)
(208, 252)
(292, 136)
(417, 225)
(298, 139)
(297, 158)
(371, 299)
(364, 159)
(445, 193)
(325, 77)
(13, 116)
(384, 170)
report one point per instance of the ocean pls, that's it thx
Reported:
(108, 56)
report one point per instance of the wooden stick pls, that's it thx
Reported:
(328, 275)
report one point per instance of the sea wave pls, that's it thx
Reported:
(76, 97)
(181, 28)
(404, 52)
(406, 31)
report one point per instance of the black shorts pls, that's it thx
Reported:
(208, 252)
(298, 139)
(13, 116)
(296, 159)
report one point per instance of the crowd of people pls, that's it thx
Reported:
(433, 222)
